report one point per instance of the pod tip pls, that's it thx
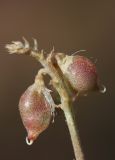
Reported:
(29, 142)
(102, 89)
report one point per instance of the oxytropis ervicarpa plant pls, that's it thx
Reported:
(71, 76)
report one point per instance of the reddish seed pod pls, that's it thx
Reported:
(35, 112)
(80, 71)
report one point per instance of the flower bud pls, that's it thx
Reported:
(79, 71)
(35, 113)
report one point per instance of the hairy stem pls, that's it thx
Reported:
(71, 123)
(66, 106)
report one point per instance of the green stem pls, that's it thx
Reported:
(71, 123)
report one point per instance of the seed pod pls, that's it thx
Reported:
(80, 72)
(35, 113)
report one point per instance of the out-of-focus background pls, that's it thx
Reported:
(69, 26)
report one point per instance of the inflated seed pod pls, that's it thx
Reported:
(80, 72)
(35, 112)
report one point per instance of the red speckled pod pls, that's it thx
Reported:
(80, 72)
(35, 113)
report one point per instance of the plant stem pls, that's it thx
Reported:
(66, 106)
(70, 119)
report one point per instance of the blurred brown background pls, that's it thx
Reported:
(69, 26)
